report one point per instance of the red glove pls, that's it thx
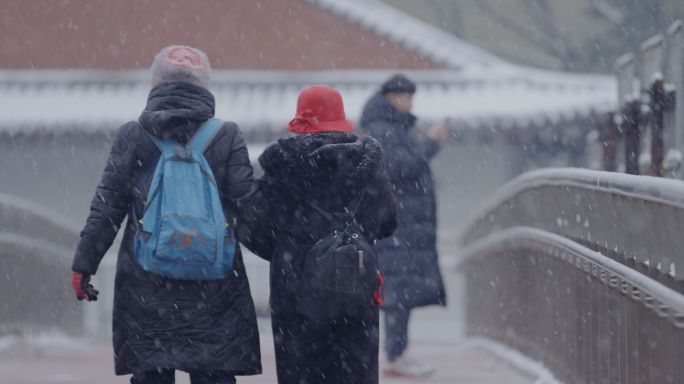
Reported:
(80, 282)
(379, 295)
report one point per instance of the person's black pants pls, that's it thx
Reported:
(325, 352)
(167, 376)
(396, 331)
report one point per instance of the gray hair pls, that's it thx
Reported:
(166, 68)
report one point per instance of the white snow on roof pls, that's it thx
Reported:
(87, 100)
(414, 34)
(442, 47)
(477, 90)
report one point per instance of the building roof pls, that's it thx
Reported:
(455, 79)
(413, 34)
(236, 34)
(91, 101)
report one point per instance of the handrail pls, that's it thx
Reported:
(36, 247)
(587, 317)
(24, 217)
(582, 270)
(59, 256)
(607, 212)
(660, 299)
(35, 287)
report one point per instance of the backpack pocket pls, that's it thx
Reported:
(188, 240)
(347, 269)
(339, 279)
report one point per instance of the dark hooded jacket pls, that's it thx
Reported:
(332, 170)
(408, 259)
(160, 322)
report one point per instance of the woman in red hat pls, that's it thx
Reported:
(323, 199)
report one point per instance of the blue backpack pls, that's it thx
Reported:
(184, 233)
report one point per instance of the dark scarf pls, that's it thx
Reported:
(175, 110)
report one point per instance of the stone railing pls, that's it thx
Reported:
(578, 270)
(35, 257)
(635, 220)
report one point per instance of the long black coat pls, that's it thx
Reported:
(409, 258)
(160, 322)
(330, 169)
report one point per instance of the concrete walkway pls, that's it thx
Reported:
(79, 362)
(435, 337)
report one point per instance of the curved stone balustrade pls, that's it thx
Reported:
(35, 258)
(578, 269)
(590, 319)
(28, 218)
(634, 219)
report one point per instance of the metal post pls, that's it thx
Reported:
(609, 141)
(675, 85)
(630, 123)
(628, 102)
(652, 53)
(625, 68)
(658, 105)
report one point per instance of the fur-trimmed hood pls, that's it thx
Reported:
(339, 163)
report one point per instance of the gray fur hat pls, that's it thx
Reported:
(181, 63)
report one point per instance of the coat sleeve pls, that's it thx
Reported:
(387, 214)
(401, 160)
(245, 198)
(258, 213)
(239, 174)
(109, 206)
(425, 146)
(378, 210)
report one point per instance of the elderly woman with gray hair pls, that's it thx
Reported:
(161, 324)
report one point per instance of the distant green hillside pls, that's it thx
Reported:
(574, 35)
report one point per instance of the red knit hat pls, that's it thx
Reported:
(320, 109)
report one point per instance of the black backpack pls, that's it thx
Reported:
(340, 277)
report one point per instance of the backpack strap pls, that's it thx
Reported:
(205, 135)
(328, 216)
(356, 203)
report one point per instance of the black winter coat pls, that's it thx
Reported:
(160, 322)
(330, 169)
(408, 259)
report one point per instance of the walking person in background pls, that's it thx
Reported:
(408, 259)
(322, 202)
(181, 295)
